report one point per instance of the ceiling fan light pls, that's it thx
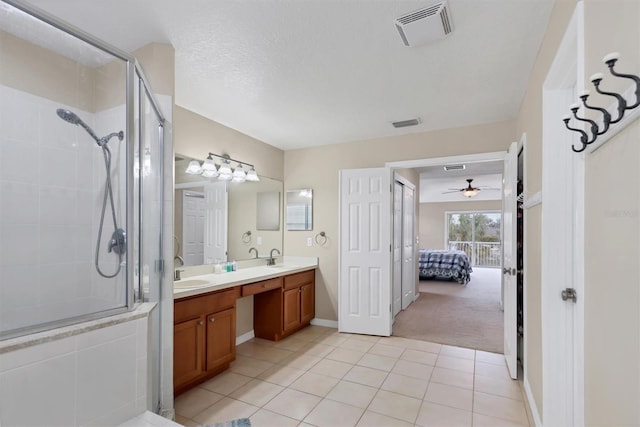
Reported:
(470, 193)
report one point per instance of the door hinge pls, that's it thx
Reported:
(389, 308)
(569, 293)
(160, 266)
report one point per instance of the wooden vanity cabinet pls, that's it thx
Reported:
(203, 338)
(281, 312)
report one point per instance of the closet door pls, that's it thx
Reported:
(408, 246)
(397, 247)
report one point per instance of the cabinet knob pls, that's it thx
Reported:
(201, 323)
(212, 320)
(264, 285)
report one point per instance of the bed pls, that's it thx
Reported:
(446, 265)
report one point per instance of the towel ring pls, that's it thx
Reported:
(246, 236)
(321, 238)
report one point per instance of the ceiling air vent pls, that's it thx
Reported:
(405, 123)
(455, 167)
(425, 25)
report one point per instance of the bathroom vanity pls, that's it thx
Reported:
(205, 315)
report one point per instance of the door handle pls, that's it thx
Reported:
(506, 270)
(212, 320)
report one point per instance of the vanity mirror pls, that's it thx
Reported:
(300, 209)
(232, 211)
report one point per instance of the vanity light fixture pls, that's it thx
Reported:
(224, 172)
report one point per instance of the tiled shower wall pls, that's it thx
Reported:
(97, 378)
(51, 189)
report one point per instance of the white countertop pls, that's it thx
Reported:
(202, 283)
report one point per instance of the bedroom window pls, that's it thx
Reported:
(477, 234)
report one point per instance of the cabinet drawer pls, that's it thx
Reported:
(265, 285)
(210, 303)
(298, 279)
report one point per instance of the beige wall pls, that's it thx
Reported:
(612, 233)
(318, 167)
(529, 121)
(432, 220)
(33, 69)
(195, 136)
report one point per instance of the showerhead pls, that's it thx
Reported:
(71, 117)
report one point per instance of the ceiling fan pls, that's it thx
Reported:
(470, 190)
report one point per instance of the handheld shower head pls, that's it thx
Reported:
(71, 117)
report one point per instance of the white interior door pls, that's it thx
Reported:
(397, 248)
(408, 265)
(193, 227)
(364, 274)
(215, 225)
(509, 259)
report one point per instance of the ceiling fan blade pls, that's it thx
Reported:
(454, 191)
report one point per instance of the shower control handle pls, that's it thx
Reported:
(118, 242)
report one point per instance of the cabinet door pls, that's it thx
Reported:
(307, 303)
(188, 351)
(291, 313)
(221, 338)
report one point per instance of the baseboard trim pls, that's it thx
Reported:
(245, 337)
(324, 322)
(531, 401)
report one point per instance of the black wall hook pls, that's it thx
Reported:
(583, 136)
(593, 125)
(606, 117)
(596, 79)
(611, 60)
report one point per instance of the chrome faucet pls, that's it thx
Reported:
(176, 275)
(271, 260)
(254, 250)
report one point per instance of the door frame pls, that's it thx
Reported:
(563, 178)
(437, 161)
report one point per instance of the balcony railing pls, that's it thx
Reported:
(481, 254)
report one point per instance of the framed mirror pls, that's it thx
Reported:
(300, 209)
(235, 228)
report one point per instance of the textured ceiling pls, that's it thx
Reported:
(297, 73)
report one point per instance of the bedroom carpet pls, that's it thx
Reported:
(450, 313)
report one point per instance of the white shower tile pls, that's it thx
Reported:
(18, 244)
(58, 282)
(111, 388)
(52, 397)
(58, 167)
(21, 119)
(20, 203)
(20, 286)
(36, 354)
(52, 239)
(58, 206)
(20, 162)
(105, 335)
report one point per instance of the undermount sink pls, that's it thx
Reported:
(283, 266)
(190, 283)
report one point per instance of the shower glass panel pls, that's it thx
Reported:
(64, 147)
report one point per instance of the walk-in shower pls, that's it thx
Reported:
(117, 244)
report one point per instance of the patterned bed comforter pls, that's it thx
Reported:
(444, 264)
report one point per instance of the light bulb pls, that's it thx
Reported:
(194, 168)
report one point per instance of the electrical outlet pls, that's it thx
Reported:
(259, 240)
(309, 241)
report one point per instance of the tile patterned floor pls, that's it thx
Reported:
(319, 377)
